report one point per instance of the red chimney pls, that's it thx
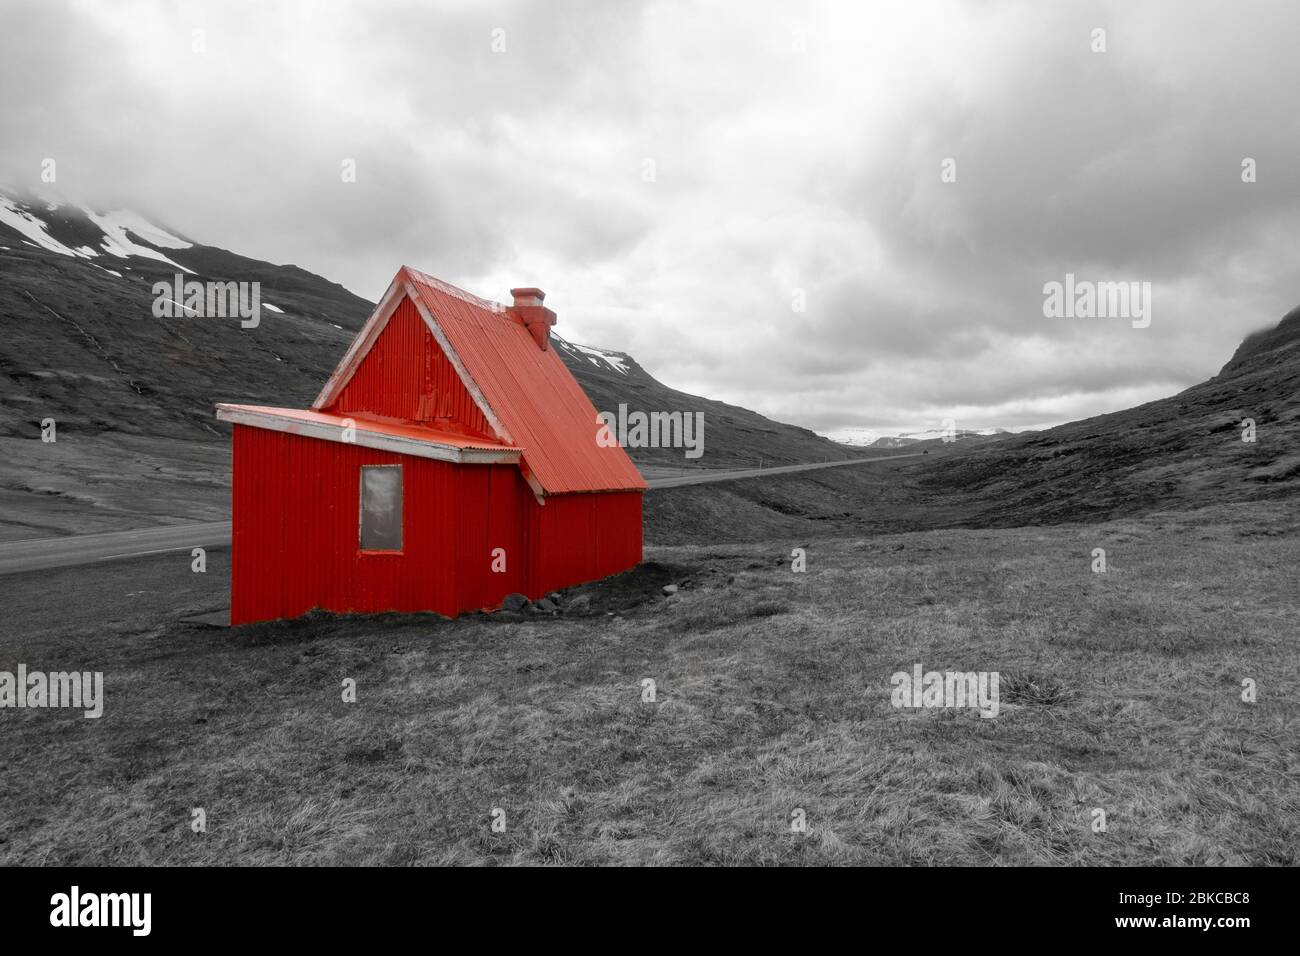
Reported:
(535, 317)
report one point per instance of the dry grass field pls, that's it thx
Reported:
(1120, 692)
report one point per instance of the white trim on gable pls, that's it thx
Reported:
(328, 431)
(403, 287)
(471, 386)
(538, 491)
(369, 335)
(361, 345)
(455, 293)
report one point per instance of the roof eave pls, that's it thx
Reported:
(400, 444)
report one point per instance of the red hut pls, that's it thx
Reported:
(450, 460)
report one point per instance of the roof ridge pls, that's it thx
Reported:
(455, 291)
(527, 395)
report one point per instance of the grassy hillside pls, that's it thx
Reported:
(1120, 692)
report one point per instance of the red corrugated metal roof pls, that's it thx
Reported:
(530, 392)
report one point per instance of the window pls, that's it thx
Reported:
(381, 507)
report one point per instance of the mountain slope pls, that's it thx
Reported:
(733, 436)
(132, 394)
(84, 348)
(1179, 453)
(82, 345)
(1182, 451)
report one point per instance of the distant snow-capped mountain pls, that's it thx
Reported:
(872, 438)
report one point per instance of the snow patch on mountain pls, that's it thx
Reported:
(118, 226)
(33, 229)
(118, 223)
(121, 220)
(600, 358)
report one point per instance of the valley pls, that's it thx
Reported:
(1121, 691)
(133, 393)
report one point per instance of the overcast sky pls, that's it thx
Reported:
(677, 176)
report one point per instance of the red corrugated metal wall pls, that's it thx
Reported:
(295, 536)
(295, 532)
(407, 376)
(582, 537)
